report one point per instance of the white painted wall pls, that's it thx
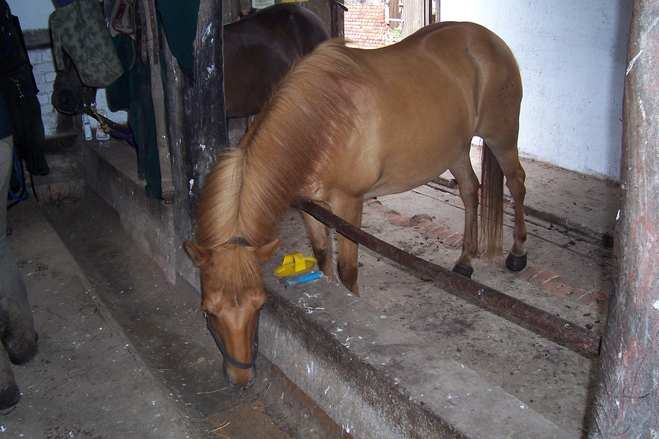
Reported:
(33, 14)
(572, 55)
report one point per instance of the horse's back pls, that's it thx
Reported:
(457, 70)
(260, 49)
(308, 28)
(458, 51)
(426, 97)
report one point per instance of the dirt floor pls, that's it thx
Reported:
(123, 354)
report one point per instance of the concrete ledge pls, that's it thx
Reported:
(377, 379)
(111, 172)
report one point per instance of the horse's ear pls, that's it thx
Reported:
(198, 254)
(265, 252)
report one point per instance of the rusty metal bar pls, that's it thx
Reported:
(543, 323)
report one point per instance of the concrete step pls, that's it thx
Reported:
(66, 177)
(86, 380)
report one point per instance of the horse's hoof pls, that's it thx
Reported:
(463, 271)
(515, 263)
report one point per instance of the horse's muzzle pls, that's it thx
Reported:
(240, 379)
(240, 375)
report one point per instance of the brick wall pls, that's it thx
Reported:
(364, 23)
(44, 74)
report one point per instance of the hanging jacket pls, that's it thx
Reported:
(79, 29)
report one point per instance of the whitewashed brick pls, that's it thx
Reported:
(47, 56)
(49, 123)
(35, 57)
(44, 98)
(42, 68)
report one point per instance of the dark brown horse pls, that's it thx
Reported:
(346, 124)
(261, 48)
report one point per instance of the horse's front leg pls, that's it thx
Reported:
(321, 244)
(350, 209)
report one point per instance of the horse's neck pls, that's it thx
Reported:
(271, 180)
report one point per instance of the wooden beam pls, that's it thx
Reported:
(627, 393)
(207, 121)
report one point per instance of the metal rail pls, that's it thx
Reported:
(564, 332)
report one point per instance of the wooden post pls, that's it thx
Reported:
(207, 121)
(177, 87)
(627, 393)
(415, 16)
(158, 97)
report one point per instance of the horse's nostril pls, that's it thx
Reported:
(236, 383)
(245, 386)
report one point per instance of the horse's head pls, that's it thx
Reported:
(232, 298)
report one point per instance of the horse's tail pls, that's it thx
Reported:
(491, 204)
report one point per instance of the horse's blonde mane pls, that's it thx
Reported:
(310, 113)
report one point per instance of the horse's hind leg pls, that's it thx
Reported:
(516, 260)
(468, 187)
(512, 169)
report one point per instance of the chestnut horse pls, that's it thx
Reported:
(346, 124)
(261, 48)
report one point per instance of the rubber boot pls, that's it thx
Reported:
(9, 392)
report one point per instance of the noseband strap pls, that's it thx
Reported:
(227, 356)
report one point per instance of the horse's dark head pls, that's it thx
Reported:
(232, 298)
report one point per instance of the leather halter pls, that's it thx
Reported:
(240, 241)
(225, 353)
(227, 356)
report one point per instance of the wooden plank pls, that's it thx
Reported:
(207, 121)
(627, 394)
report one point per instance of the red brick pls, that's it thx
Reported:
(457, 243)
(564, 290)
(543, 277)
(436, 233)
(421, 226)
(586, 298)
(530, 272)
(552, 284)
(447, 234)
(453, 239)
(425, 227)
(419, 220)
(395, 218)
(429, 228)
